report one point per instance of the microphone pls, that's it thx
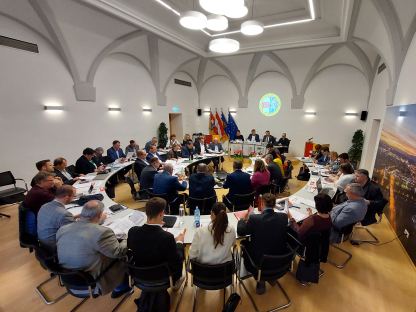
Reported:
(310, 139)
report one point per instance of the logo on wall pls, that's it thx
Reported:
(270, 104)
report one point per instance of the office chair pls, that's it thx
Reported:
(13, 194)
(204, 204)
(345, 234)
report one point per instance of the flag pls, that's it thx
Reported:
(212, 126)
(220, 126)
(224, 123)
(232, 127)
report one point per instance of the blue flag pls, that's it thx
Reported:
(225, 123)
(232, 127)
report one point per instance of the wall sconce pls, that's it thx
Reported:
(53, 108)
(310, 114)
(233, 111)
(402, 113)
(114, 109)
(207, 111)
(350, 114)
(147, 109)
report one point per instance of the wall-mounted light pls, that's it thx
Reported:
(233, 111)
(310, 114)
(147, 109)
(53, 108)
(207, 110)
(402, 113)
(114, 109)
(350, 114)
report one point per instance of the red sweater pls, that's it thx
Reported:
(260, 178)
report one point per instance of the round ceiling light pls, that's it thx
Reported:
(193, 20)
(212, 6)
(224, 45)
(252, 28)
(217, 22)
(236, 11)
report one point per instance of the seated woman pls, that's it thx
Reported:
(261, 175)
(175, 152)
(212, 244)
(333, 164)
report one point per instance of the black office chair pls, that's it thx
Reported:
(362, 227)
(153, 279)
(13, 194)
(271, 268)
(211, 277)
(26, 239)
(345, 234)
(133, 190)
(240, 201)
(204, 204)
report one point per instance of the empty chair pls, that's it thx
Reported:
(345, 234)
(165, 197)
(241, 201)
(10, 195)
(27, 235)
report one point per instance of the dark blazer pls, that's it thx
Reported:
(276, 176)
(63, 177)
(164, 183)
(150, 156)
(84, 166)
(323, 160)
(201, 185)
(256, 137)
(197, 146)
(239, 137)
(187, 152)
(151, 245)
(372, 192)
(138, 166)
(272, 139)
(268, 234)
(238, 182)
(147, 177)
(283, 141)
(112, 154)
(212, 147)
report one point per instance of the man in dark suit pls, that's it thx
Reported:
(253, 136)
(140, 163)
(267, 232)
(59, 165)
(166, 183)
(148, 174)
(324, 159)
(284, 141)
(238, 182)
(268, 138)
(239, 136)
(200, 146)
(151, 245)
(216, 147)
(115, 152)
(188, 151)
(84, 164)
(152, 153)
(276, 176)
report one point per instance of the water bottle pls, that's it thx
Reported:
(181, 214)
(197, 217)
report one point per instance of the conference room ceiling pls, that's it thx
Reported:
(330, 26)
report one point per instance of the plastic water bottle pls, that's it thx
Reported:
(197, 217)
(181, 214)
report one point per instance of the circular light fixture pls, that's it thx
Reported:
(252, 28)
(212, 6)
(217, 22)
(193, 20)
(236, 12)
(224, 45)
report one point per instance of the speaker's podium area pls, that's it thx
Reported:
(205, 155)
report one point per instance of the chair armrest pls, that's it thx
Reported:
(18, 179)
(249, 257)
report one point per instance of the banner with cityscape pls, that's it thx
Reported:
(395, 170)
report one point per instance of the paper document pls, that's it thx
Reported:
(75, 210)
(297, 214)
(122, 225)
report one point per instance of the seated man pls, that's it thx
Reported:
(99, 158)
(165, 183)
(238, 136)
(132, 147)
(349, 212)
(175, 152)
(269, 139)
(115, 152)
(152, 153)
(216, 147)
(85, 164)
(148, 174)
(188, 151)
(238, 182)
(172, 141)
(140, 163)
(151, 245)
(90, 247)
(253, 136)
(267, 232)
(324, 159)
(201, 184)
(42, 192)
(276, 176)
(60, 165)
(200, 146)
(46, 165)
(284, 141)
(53, 215)
(148, 144)
(373, 196)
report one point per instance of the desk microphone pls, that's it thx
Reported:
(310, 139)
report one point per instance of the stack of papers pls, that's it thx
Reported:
(122, 225)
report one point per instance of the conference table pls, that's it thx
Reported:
(121, 221)
(249, 148)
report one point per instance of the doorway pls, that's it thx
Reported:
(175, 125)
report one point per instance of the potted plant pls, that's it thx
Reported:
(162, 134)
(356, 149)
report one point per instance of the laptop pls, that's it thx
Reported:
(129, 155)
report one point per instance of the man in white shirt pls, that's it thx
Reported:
(60, 165)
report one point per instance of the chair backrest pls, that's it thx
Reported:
(7, 178)
(263, 189)
(47, 259)
(78, 283)
(273, 267)
(151, 278)
(26, 239)
(317, 247)
(212, 277)
(243, 201)
(204, 204)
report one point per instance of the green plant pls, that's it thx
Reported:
(356, 148)
(162, 134)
